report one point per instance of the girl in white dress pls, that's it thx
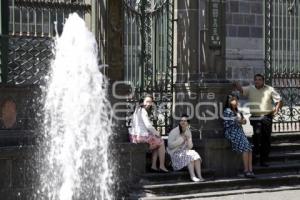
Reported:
(142, 131)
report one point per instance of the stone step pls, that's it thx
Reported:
(278, 168)
(174, 175)
(285, 137)
(284, 157)
(10, 137)
(184, 175)
(204, 195)
(180, 189)
(285, 147)
(12, 152)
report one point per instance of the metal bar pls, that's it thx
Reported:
(286, 40)
(162, 47)
(42, 34)
(21, 22)
(131, 47)
(49, 23)
(155, 40)
(171, 56)
(4, 30)
(166, 45)
(13, 18)
(282, 41)
(267, 38)
(274, 40)
(298, 39)
(28, 22)
(278, 63)
(126, 45)
(136, 39)
(290, 46)
(35, 22)
(294, 43)
(143, 40)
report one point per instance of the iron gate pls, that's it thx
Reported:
(27, 36)
(282, 59)
(148, 42)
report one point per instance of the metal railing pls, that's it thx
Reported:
(148, 47)
(27, 34)
(282, 59)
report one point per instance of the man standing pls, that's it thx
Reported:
(264, 103)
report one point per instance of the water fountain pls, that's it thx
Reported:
(77, 121)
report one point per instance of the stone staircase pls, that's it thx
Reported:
(17, 138)
(282, 174)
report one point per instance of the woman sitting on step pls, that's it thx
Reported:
(179, 147)
(234, 132)
(142, 131)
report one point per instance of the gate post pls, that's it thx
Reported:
(4, 40)
(201, 87)
(268, 38)
(115, 40)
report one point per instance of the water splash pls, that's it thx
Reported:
(77, 121)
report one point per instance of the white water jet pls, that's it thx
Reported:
(77, 124)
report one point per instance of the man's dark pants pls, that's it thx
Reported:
(261, 139)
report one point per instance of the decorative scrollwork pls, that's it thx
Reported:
(28, 59)
(48, 4)
(288, 119)
(282, 60)
(152, 19)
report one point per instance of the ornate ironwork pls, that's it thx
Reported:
(73, 5)
(29, 59)
(289, 117)
(148, 34)
(268, 44)
(28, 40)
(282, 59)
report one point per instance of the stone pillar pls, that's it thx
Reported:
(203, 102)
(201, 86)
(4, 26)
(244, 39)
(213, 40)
(107, 24)
(187, 40)
(200, 40)
(115, 40)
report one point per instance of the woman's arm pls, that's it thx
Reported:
(189, 138)
(229, 118)
(174, 139)
(241, 119)
(147, 123)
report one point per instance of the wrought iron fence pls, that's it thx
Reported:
(282, 59)
(26, 40)
(148, 41)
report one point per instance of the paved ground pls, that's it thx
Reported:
(280, 195)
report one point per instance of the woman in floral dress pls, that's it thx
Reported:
(233, 131)
(180, 149)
